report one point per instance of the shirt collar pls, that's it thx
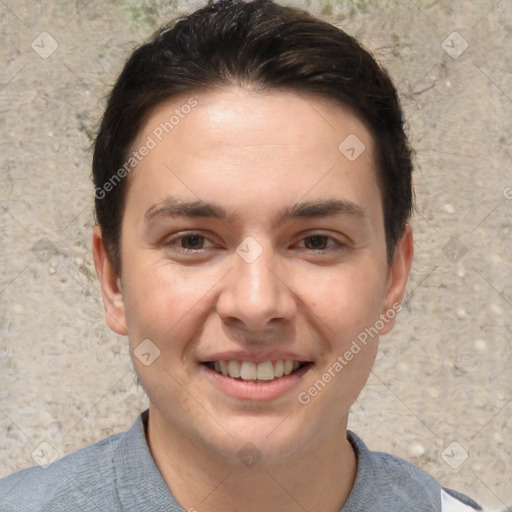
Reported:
(139, 483)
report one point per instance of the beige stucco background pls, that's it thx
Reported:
(443, 375)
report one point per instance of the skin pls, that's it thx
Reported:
(254, 154)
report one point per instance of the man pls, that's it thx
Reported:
(253, 190)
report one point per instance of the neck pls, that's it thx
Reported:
(317, 478)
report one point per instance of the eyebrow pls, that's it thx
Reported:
(321, 208)
(173, 207)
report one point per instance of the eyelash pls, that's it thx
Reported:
(337, 244)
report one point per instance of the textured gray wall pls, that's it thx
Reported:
(443, 375)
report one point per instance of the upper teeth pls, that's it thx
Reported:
(248, 370)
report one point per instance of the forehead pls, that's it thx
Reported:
(273, 118)
(280, 143)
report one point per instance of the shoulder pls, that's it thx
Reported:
(79, 481)
(386, 482)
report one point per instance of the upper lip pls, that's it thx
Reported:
(275, 355)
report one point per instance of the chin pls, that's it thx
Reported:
(274, 438)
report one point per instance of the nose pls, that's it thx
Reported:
(256, 296)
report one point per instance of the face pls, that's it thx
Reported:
(252, 247)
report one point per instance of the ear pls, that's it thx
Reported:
(110, 284)
(397, 278)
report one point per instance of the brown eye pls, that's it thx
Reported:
(316, 242)
(192, 242)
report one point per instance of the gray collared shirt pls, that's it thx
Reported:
(119, 474)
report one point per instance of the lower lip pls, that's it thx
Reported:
(261, 390)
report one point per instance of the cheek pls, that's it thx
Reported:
(160, 300)
(347, 304)
(346, 299)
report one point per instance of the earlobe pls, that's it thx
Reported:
(397, 277)
(110, 284)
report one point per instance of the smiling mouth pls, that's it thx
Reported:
(248, 371)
